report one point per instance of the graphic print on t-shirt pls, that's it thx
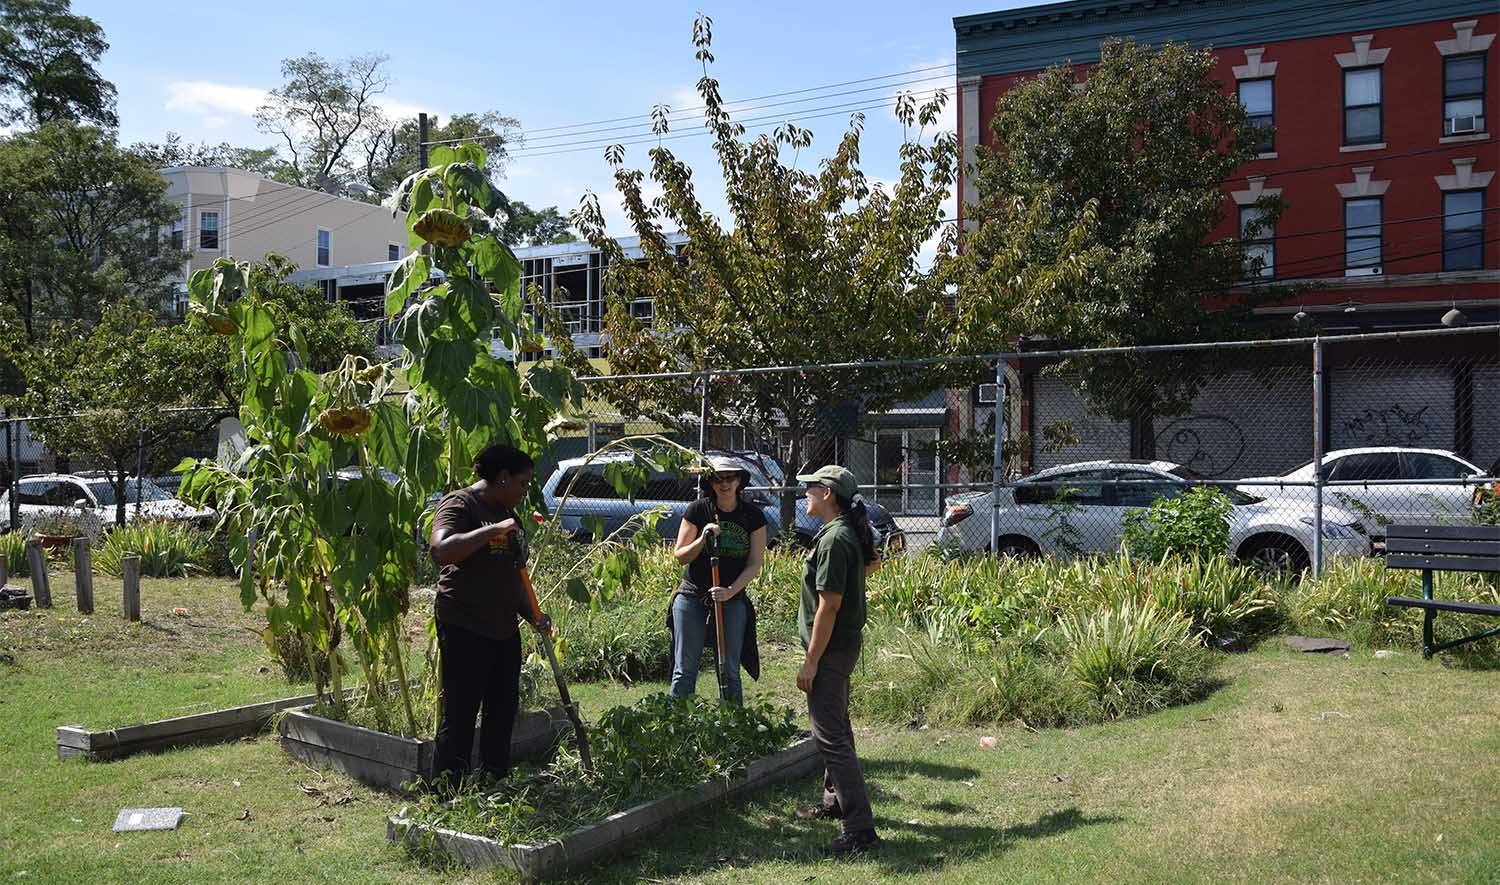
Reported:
(734, 541)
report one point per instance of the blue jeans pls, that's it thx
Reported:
(692, 629)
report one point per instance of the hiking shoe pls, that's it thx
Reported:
(854, 843)
(819, 811)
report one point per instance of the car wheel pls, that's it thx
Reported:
(1275, 555)
(1016, 547)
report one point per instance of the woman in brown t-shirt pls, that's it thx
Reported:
(478, 600)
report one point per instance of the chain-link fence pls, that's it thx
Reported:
(1408, 425)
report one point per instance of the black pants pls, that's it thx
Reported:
(844, 791)
(477, 670)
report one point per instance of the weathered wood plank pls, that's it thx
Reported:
(116, 743)
(83, 575)
(1442, 546)
(1443, 563)
(582, 846)
(354, 740)
(1445, 532)
(1445, 605)
(36, 561)
(366, 771)
(130, 566)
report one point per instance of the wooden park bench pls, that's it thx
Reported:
(1443, 548)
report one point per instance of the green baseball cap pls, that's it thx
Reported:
(840, 479)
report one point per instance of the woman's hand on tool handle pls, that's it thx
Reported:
(723, 594)
(544, 626)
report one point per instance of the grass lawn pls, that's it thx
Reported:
(1303, 768)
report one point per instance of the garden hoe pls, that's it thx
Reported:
(519, 541)
(713, 568)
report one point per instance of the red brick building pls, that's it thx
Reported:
(1384, 146)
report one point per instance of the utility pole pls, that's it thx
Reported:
(422, 140)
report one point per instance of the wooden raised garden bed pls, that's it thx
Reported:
(389, 761)
(608, 836)
(202, 728)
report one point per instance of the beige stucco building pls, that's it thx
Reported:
(238, 214)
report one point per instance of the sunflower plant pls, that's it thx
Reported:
(326, 509)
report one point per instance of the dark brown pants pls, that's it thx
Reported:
(828, 709)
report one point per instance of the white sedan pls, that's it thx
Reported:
(1079, 509)
(89, 500)
(1397, 485)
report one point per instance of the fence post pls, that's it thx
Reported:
(4, 573)
(1317, 551)
(36, 560)
(703, 415)
(997, 477)
(10, 471)
(83, 575)
(130, 568)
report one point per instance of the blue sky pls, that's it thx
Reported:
(200, 69)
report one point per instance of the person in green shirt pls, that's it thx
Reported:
(832, 617)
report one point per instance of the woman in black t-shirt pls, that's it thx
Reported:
(479, 599)
(740, 531)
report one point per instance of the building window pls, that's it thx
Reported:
(1463, 230)
(1463, 94)
(1258, 100)
(1362, 106)
(330, 290)
(325, 247)
(393, 252)
(177, 235)
(1361, 236)
(208, 231)
(1259, 237)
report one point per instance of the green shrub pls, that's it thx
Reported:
(1196, 522)
(167, 549)
(1126, 643)
(1349, 601)
(13, 551)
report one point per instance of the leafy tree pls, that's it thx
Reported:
(389, 153)
(47, 59)
(814, 266)
(536, 227)
(1096, 216)
(120, 372)
(81, 226)
(322, 113)
(172, 151)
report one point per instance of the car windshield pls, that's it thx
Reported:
(104, 492)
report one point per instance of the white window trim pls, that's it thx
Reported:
(1362, 56)
(1356, 148)
(1464, 178)
(1256, 188)
(1460, 139)
(218, 231)
(1464, 40)
(318, 247)
(1254, 68)
(1362, 186)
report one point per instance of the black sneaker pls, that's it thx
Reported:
(854, 843)
(819, 812)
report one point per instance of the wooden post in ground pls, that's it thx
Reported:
(83, 575)
(36, 560)
(4, 573)
(130, 566)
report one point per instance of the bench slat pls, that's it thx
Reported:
(1445, 532)
(1432, 546)
(1444, 563)
(1445, 605)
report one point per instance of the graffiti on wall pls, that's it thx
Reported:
(1392, 426)
(1210, 445)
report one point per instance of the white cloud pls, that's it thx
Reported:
(402, 110)
(208, 98)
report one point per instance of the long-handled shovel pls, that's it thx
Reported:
(518, 538)
(713, 568)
